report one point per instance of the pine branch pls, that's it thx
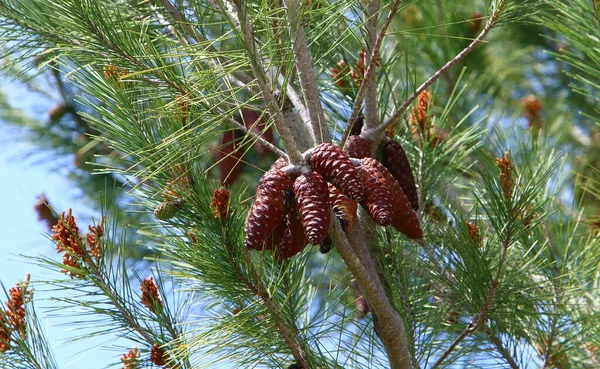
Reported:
(241, 20)
(461, 55)
(388, 324)
(370, 72)
(238, 78)
(503, 351)
(235, 124)
(370, 81)
(291, 338)
(304, 68)
(482, 316)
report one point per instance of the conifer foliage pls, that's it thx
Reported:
(326, 190)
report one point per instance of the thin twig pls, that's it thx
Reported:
(276, 150)
(291, 338)
(388, 324)
(307, 77)
(487, 305)
(461, 55)
(370, 71)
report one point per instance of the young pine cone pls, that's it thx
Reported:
(378, 196)
(357, 147)
(267, 209)
(167, 209)
(394, 159)
(343, 208)
(335, 166)
(312, 198)
(405, 219)
(294, 239)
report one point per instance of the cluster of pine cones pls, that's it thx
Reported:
(288, 214)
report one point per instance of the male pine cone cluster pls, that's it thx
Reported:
(288, 214)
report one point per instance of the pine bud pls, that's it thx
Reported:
(343, 208)
(312, 199)
(335, 166)
(149, 296)
(220, 202)
(267, 209)
(131, 360)
(167, 209)
(395, 160)
(357, 147)
(505, 178)
(294, 239)
(378, 197)
(405, 219)
(157, 355)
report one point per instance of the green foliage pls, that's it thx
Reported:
(507, 271)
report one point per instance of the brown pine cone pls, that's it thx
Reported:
(405, 219)
(343, 207)
(274, 239)
(294, 239)
(357, 147)
(335, 166)
(312, 199)
(267, 209)
(394, 159)
(378, 196)
(279, 163)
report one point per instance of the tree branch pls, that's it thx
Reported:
(369, 72)
(388, 324)
(277, 151)
(370, 81)
(307, 77)
(291, 338)
(239, 19)
(461, 55)
(483, 314)
(503, 351)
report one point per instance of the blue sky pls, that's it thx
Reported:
(21, 182)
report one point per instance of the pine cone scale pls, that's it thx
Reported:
(335, 166)
(312, 199)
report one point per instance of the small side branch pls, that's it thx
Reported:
(290, 337)
(503, 351)
(240, 19)
(277, 151)
(461, 55)
(370, 71)
(304, 68)
(481, 318)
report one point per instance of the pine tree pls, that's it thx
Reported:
(452, 235)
